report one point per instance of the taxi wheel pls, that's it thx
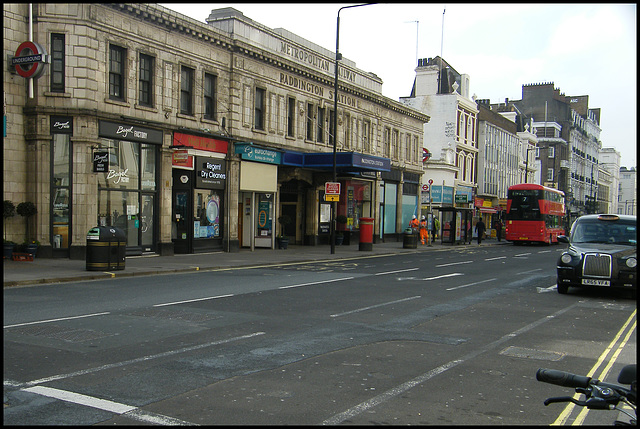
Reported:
(562, 289)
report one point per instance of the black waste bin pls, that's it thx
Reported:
(106, 248)
(410, 239)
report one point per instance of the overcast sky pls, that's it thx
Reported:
(584, 49)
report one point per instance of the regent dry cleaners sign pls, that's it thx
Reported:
(211, 173)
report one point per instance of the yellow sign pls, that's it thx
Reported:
(331, 197)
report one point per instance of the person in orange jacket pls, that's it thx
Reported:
(414, 223)
(424, 234)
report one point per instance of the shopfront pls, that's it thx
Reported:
(258, 195)
(126, 163)
(61, 128)
(198, 196)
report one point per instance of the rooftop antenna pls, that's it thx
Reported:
(417, 38)
(441, 49)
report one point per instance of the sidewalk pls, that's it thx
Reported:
(49, 270)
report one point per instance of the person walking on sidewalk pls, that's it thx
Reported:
(424, 234)
(498, 229)
(480, 228)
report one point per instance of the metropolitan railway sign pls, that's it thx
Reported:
(30, 60)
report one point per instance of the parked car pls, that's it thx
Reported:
(602, 252)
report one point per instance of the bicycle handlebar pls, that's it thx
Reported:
(562, 378)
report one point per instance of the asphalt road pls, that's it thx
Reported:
(452, 338)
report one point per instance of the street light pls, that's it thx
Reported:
(335, 125)
(526, 165)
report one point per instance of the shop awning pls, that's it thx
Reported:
(345, 161)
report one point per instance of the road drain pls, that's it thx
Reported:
(60, 333)
(522, 352)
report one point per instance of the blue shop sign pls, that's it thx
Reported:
(249, 152)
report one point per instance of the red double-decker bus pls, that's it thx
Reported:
(535, 213)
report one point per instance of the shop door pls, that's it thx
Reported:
(181, 221)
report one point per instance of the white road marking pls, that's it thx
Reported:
(397, 271)
(443, 276)
(316, 283)
(546, 289)
(530, 271)
(140, 359)
(398, 390)
(56, 320)
(472, 284)
(493, 259)
(193, 300)
(522, 254)
(106, 405)
(374, 306)
(76, 398)
(454, 263)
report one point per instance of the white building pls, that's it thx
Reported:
(628, 196)
(610, 161)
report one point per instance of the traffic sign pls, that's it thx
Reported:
(328, 197)
(332, 188)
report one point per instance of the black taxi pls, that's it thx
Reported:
(602, 253)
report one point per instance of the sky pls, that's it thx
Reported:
(584, 49)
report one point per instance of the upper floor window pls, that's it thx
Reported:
(550, 175)
(309, 121)
(210, 82)
(117, 56)
(366, 136)
(320, 123)
(386, 150)
(552, 152)
(145, 81)
(291, 116)
(186, 90)
(259, 109)
(57, 62)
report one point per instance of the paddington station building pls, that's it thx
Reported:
(193, 137)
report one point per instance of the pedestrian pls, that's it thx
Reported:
(414, 224)
(436, 227)
(498, 229)
(480, 227)
(424, 234)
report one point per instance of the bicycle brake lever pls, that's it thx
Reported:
(563, 399)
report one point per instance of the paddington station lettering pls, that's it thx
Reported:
(314, 89)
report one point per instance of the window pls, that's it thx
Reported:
(145, 83)
(186, 91)
(320, 123)
(291, 116)
(552, 152)
(259, 107)
(210, 82)
(116, 72)
(309, 121)
(386, 150)
(61, 191)
(366, 136)
(57, 62)
(550, 175)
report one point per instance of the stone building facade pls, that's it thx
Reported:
(194, 137)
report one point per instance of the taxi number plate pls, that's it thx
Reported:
(590, 282)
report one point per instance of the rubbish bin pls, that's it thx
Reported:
(366, 233)
(410, 239)
(106, 248)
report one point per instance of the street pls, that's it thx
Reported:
(452, 337)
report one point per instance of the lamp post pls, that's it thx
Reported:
(332, 223)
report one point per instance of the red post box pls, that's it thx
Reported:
(366, 233)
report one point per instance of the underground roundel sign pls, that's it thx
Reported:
(30, 60)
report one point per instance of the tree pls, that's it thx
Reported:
(9, 211)
(27, 210)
